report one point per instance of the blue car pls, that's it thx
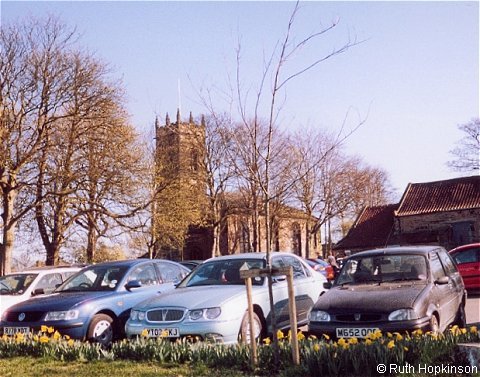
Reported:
(95, 303)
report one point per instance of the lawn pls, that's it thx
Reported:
(29, 367)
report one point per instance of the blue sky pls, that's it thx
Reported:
(415, 77)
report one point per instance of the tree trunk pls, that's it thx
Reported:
(9, 225)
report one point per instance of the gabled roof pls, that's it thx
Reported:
(440, 196)
(372, 228)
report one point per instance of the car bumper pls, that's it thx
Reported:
(74, 329)
(225, 332)
(330, 328)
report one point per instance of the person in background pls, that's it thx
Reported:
(333, 262)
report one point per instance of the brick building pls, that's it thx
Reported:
(445, 213)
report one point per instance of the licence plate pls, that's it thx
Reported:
(164, 333)
(16, 330)
(355, 332)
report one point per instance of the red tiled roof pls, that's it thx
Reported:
(440, 196)
(372, 228)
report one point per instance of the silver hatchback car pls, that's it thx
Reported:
(210, 304)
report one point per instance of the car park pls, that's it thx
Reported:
(20, 286)
(395, 289)
(95, 303)
(210, 304)
(467, 258)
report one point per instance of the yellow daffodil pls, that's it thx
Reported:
(326, 336)
(313, 337)
(316, 347)
(19, 337)
(391, 344)
(50, 330)
(43, 328)
(353, 341)
(70, 342)
(389, 335)
(144, 333)
(280, 334)
(343, 343)
(473, 329)
(398, 336)
(368, 342)
(405, 348)
(44, 339)
(267, 341)
(67, 337)
(463, 331)
(56, 335)
(300, 336)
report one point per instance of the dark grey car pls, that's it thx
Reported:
(394, 290)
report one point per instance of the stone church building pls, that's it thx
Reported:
(183, 204)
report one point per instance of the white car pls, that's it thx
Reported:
(20, 286)
(211, 302)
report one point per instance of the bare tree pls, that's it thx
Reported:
(467, 152)
(34, 90)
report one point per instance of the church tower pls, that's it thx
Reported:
(180, 184)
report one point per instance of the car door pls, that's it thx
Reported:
(444, 295)
(302, 284)
(468, 262)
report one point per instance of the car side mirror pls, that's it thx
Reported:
(38, 291)
(327, 285)
(443, 280)
(133, 284)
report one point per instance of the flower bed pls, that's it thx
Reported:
(318, 357)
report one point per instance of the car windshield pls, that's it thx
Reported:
(383, 268)
(15, 284)
(95, 278)
(223, 272)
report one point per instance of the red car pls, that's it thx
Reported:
(467, 258)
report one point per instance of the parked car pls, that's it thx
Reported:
(323, 267)
(211, 303)
(20, 286)
(394, 290)
(95, 303)
(467, 258)
(191, 264)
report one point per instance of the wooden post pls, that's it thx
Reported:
(293, 319)
(247, 274)
(253, 343)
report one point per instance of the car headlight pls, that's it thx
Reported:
(62, 315)
(212, 313)
(137, 315)
(209, 313)
(402, 315)
(319, 316)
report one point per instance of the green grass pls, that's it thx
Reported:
(29, 366)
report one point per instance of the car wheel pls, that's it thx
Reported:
(461, 318)
(433, 325)
(244, 335)
(100, 330)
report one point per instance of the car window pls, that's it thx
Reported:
(467, 256)
(145, 274)
(447, 262)
(15, 284)
(170, 273)
(298, 270)
(49, 282)
(436, 266)
(95, 278)
(383, 268)
(223, 272)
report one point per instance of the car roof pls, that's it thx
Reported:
(132, 262)
(414, 250)
(465, 247)
(252, 255)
